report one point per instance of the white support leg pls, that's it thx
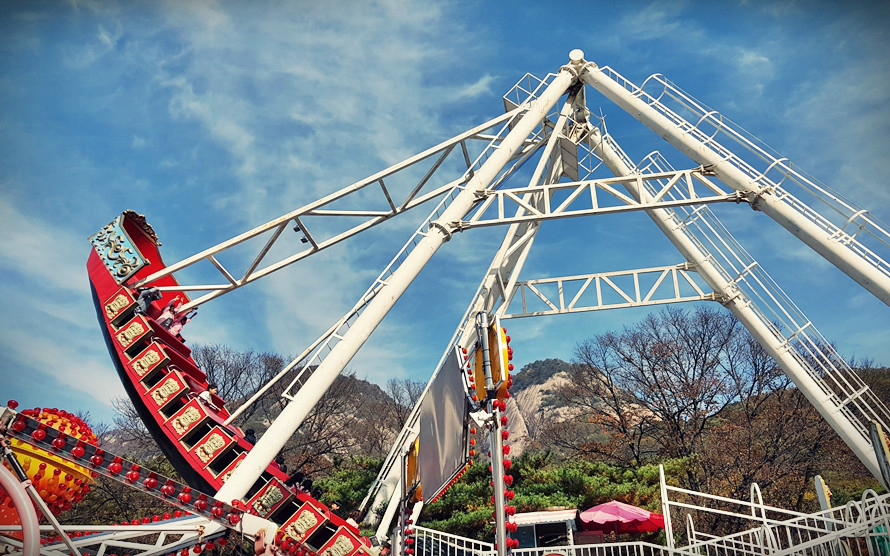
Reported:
(741, 307)
(494, 293)
(821, 241)
(293, 415)
(18, 497)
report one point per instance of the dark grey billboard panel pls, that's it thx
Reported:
(443, 430)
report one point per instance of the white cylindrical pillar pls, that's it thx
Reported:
(820, 240)
(25, 510)
(293, 415)
(496, 445)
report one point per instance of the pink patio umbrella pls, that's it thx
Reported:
(620, 518)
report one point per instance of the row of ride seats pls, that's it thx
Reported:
(160, 365)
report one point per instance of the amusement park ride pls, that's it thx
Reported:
(558, 152)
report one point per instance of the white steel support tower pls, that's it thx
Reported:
(837, 407)
(500, 278)
(656, 189)
(728, 166)
(819, 372)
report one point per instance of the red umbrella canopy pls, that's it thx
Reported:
(621, 518)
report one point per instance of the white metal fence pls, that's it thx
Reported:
(859, 528)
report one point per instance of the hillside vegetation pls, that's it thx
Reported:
(690, 390)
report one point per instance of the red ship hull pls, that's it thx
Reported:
(162, 380)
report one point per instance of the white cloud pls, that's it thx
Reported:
(848, 109)
(781, 10)
(90, 374)
(319, 69)
(53, 330)
(91, 5)
(217, 115)
(106, 38)
(39, 249)
(206, 15)
(104, 41)
(749, 59)
(653, 21)
(483, 86)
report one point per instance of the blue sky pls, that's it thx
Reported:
(213, 117)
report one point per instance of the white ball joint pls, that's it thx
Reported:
(576, 57)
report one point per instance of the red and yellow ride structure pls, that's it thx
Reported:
(59, 482)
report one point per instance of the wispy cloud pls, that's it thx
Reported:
(92, 375)
(52, 332)
(653, 21)
(107, 38)
(472, 90)
(277, 88)
(38, 249)
(848, 108)
(756, 69)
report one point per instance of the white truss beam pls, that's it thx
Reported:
(591, 197)
(598, 291)
(320, 237)
(153, 539)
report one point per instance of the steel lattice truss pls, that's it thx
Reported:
(332, 219)
(594, 197)
(611, 290)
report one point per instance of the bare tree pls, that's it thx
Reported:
(597, 387)
(535, 424)
(129, 434)
(341, 422)
(403, 395)
(695, 385)
(332, 429)
(655, 387)
(772, 436)
(877, 378)
(376, 433)
(239, 375)
(344, 420)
